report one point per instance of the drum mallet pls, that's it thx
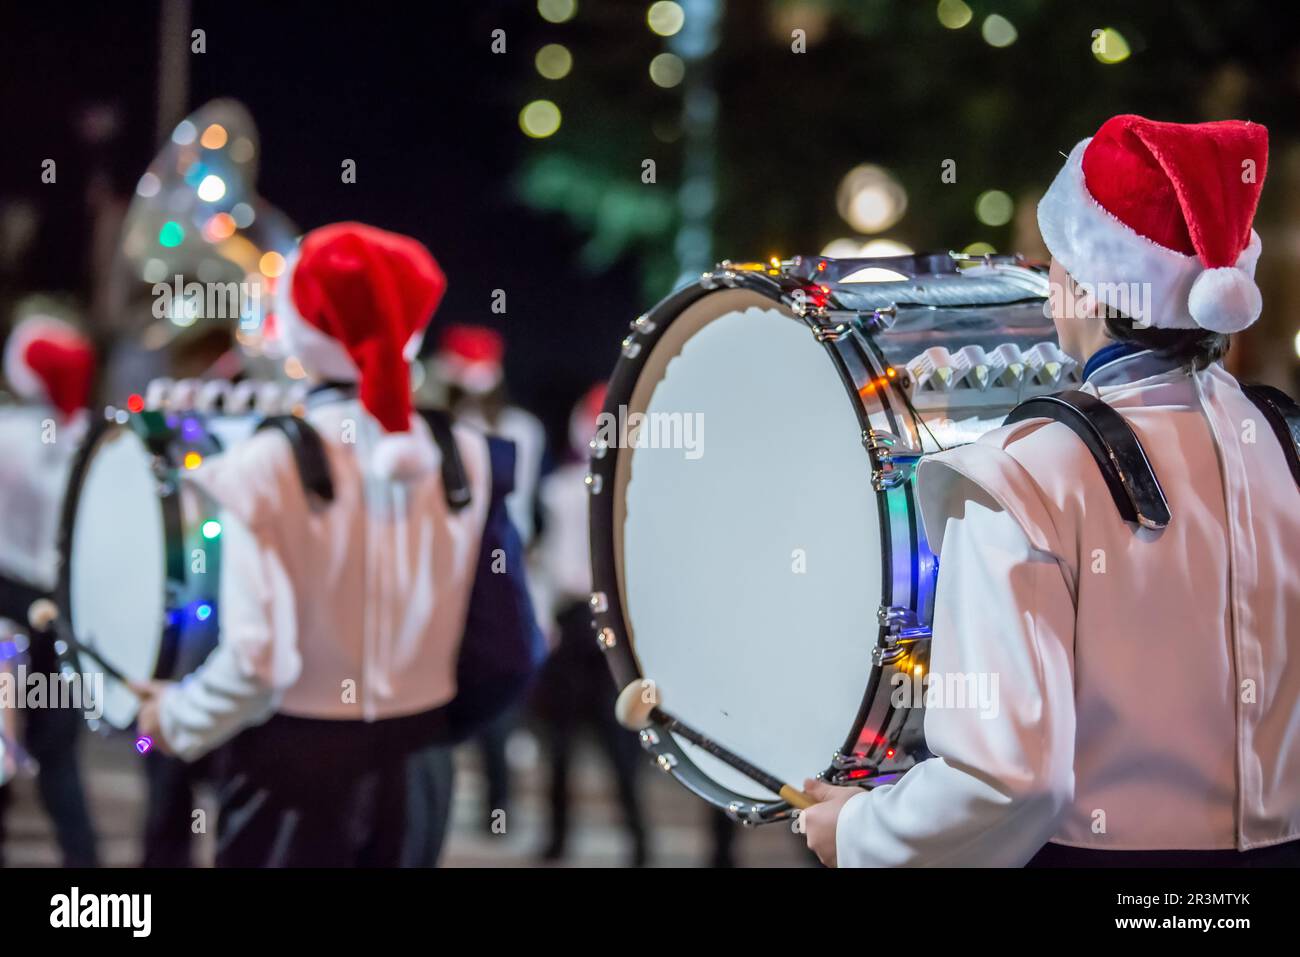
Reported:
(635, 712)
(42, 615)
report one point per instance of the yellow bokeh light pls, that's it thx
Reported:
(539, 119)
(214, 137)
(271, 264)
(979, 249)
(193, 460)
(557, 11)
(994, 208)
(1109, 45)
(554, 61)
(954, 14)
(667, 70)
(665, 17)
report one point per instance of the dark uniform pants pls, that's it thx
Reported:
(303, 792)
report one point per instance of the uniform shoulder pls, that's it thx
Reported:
(251, 478)
(1016, 466)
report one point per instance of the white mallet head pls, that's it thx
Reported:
(42, 613)
(634, 704)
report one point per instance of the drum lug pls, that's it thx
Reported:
(895, 461)
(643, 324)
(594, 483)
(902, 630)
(649, 738)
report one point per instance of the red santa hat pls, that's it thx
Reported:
(585, 418)
(352, 305)
(47, 360)
(1164, 204)
(471, 357)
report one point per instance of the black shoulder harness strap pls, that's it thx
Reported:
(308, 453)
(1283, 416)
(455, 483)
(1118, 453)
(313, 464)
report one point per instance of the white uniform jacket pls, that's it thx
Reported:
(1148, 688)
(352, 611)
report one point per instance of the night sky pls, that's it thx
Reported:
(416, 98)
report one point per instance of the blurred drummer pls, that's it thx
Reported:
(1149, 709)
(470, 366)
(50, 366)
(342, 618)
(575, 689)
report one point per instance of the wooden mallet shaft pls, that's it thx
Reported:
(638, 707)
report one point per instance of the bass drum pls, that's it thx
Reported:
(756, 547)
(140, 556)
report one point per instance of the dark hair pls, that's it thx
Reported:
(1195, 347)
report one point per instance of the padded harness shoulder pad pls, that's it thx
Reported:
(1115, 448)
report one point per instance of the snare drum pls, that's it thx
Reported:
(757, 550)
(140, 550)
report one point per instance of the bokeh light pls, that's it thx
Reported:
(665, 17)
(554, 61)
(214, 137)
(994, 208)
(271, 264)
(212, 188)
(184, 134)
(998, 31)
(557, 11)
(539, 119)
(171, 235)
(149, 185)
(1109, 46)
(954, 14)
(667, 70)
(870, 199)
(979, 249)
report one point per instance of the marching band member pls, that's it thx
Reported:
(574, 688)
(1149, 700)
(372, 591)
(51, 367)
(470, 365)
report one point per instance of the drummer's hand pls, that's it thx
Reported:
(820, 819)
(148, 722)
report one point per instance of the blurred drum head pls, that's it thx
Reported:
(750, 567)
(116, 565)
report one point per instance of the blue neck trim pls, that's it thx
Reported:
(1108, 354)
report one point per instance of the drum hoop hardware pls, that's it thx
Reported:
(894, 461)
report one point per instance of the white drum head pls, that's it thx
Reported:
(750, 566)
(117, 567)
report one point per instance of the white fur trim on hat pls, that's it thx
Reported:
(1153, 285)
(21, 377)
(403, 456)
(319, 354)
(476, 378)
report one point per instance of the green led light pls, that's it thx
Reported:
(211, 528)
(171, 234)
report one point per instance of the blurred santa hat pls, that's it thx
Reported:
(471, 358)
(584, 419)
(353, 305)
(48, 360)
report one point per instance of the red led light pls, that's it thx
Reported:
(821, 266)
(135, 403)
(889, 753)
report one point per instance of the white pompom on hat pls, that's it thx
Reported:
(353, 305)
(1155, 219)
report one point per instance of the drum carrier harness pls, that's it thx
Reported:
(313, 466)
(1120, 457)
